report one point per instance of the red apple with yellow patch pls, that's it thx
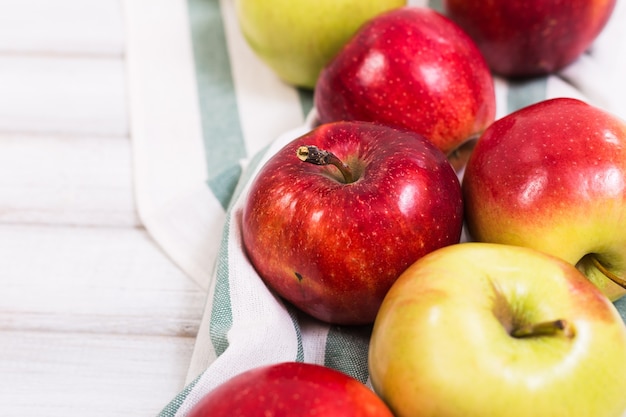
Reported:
(552, 176)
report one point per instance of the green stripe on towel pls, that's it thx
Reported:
(171, 409)
(223, 138)
(306, 101)
(346, 350)
(436, 4)
(221, 309)
(294, 313)
(525, 92)
(621, 307)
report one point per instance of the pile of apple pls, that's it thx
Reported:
(360, 222)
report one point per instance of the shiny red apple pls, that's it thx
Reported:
(521, 38)
(552, 176)
(410, 68)
(291, 389)
(333, 240)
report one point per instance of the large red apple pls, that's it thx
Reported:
(333, 245)
(530, 37)
(410, 68)
(291, 389)
(552, 176)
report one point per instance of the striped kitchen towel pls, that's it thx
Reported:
(206, 115)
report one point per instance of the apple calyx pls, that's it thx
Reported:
(545, 328)
(317, 156)
(610, 275)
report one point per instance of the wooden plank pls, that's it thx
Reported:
(93, 321)
(61, 27)
(75, 374)
(94, 318)
(94, 281)
(48, 179)
(64, 95)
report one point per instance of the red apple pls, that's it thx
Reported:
(333, 245)
(410, 68)
(291, 389)
(522, 38)
(552, 176)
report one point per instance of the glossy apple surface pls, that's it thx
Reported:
(297, 38)
(480, 329)
(552, 176)
(291, 389)
(333, 248)
(521, 38)
(410, 68)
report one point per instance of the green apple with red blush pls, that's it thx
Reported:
(526, 38)
(334, 217)
(483, 329)
(410, 68)
(290, 389)
(552, 176)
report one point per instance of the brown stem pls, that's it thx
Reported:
(317, 156)
(546, 328)
(610, 275)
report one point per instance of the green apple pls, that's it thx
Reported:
(297, 38)
(485, 329)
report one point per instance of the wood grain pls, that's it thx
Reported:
(95, 319)
(68, 95)
(73, 374)
(95, 280)
(55, 179)
(61, 27)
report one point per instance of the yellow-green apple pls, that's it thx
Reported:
(410, 68)
(482, 329)
(521, 38)
(552, 176)
(332, 238)
(296, 39)
(291, 389)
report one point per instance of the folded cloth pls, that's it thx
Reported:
(243, 107)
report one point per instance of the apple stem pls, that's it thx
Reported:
(546, 328)
(317, 156)
(619, 281)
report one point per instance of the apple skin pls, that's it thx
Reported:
(291, 389)
(443, 343)
(552, 176)
(523, 38)
(410, 68)
(332, 248)
(296, 39)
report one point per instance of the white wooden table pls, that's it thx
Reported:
(94, 319)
